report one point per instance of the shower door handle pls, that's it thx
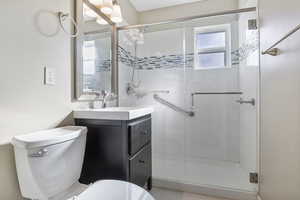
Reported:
(242, 101)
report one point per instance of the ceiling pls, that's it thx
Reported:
(144, 5)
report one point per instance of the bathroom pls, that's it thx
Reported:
(221, 111)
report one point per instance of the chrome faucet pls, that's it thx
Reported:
(104, 95)
(97, 97)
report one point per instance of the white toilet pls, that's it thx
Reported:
(49, 164)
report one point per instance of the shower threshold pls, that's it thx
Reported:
(226, 180)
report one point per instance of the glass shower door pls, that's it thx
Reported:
(208, 66)
(220, 73)
(156, 67)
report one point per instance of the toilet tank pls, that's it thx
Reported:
(49, 162)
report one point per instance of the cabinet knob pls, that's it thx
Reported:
(141, 161)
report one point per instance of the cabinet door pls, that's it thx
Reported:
(139, 135)
(140, 166)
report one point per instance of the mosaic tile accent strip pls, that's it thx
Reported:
(246, 49)
(174, 60)
(103, 65)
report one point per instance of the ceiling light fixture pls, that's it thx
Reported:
(107, 7)
(111, 8)
(116, 15)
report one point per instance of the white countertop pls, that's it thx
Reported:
(112, 113)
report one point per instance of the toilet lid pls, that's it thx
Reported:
(114, 190)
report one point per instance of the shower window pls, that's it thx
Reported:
(212, 47)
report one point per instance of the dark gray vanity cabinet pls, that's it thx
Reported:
(117, 149)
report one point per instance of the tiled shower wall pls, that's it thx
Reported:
(213, 133)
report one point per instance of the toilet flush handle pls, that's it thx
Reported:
(40, 153)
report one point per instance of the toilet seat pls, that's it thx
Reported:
(114, 190)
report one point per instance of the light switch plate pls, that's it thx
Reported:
(49, 76)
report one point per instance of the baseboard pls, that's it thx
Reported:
(206, 190)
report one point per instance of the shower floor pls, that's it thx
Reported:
(203, 172)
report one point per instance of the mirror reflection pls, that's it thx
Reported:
(93, 52)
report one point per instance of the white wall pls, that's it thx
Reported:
(280, 96)
(26, 104)
(31, 39)
(185, 10)
(129, 12)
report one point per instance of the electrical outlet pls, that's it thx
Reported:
(49, 76)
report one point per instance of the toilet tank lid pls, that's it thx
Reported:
(48, 137)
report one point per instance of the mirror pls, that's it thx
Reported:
(93, 54)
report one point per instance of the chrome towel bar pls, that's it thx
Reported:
(242, 101)
(275, 51)
(205, 93)
(213, 93)
(172, 106)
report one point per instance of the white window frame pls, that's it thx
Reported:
(213, 29)
(93, 59)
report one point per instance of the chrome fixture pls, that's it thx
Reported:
(39, 153)
(160, 91)
(105, 95)
(205, 93)
(139, 93)
(97, 97)
(62, 17)
(172, 106)
(105, 11)
(237, 11)
(242, 101)
(212, 93)
(275, 51)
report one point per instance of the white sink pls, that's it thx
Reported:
(113, 113)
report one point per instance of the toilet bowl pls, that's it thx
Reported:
(49, 165)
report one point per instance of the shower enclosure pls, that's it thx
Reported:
(202, 77)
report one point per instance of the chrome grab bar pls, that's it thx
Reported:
(172, 106)
(242, 101)
(205, 93)
(160, 91)
(275, 51)
(212, 93)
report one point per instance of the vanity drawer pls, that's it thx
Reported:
(140, 166)
(139, 133)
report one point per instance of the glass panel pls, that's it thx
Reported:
(93, 53)
(211, 60)
(152, 59)
(211, 40)
(88, 67)
(96, 58)
(89, 50)
(217, 146)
